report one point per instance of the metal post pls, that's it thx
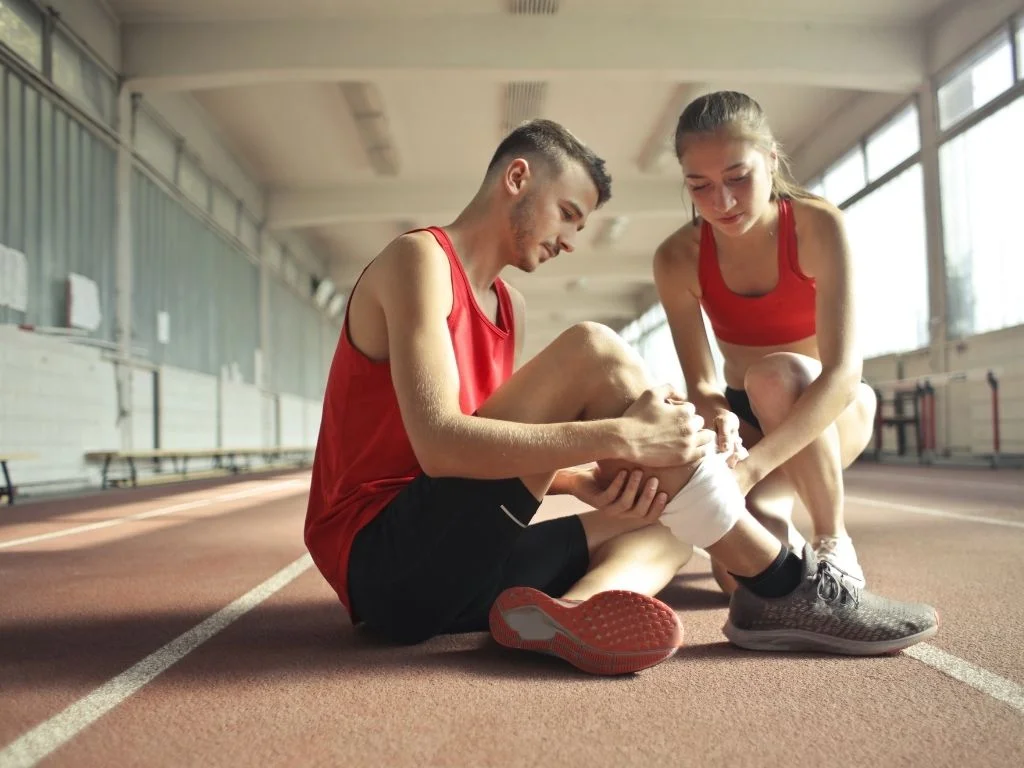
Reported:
(123, 289)
(935, 238)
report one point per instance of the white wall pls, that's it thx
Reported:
(57, 400)
(188, 409)
(292, 419)
(241, 415)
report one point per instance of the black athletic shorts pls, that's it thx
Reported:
(739, 403)
(435, 559)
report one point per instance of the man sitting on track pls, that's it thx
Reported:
(434, 457)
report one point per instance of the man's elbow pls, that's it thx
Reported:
(432, 453)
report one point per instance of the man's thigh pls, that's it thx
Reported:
(550, 556)
(433, 550)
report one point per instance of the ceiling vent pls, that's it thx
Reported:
(533, 7)
(523, 101)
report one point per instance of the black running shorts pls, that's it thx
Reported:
(434, 560)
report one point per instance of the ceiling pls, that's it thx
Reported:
(363, 118)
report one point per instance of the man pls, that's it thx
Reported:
(434, 456)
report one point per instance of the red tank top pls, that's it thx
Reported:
(363, 456)
(781, 316)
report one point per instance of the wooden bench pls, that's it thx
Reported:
(8, 488)
(224, 459)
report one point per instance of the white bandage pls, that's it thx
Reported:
(708, 506)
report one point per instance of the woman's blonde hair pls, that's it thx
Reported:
(739, 116)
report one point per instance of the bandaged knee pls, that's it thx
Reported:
(708, 506)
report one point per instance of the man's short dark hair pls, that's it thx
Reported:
(555, 145)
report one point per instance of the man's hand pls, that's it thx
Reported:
(665, 430)
(626, 497)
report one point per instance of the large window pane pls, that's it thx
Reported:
(893, 143)
(249, 232)
(83, 80)
(1020, 47)
(980, 81)
(979, 172)
(155, 145)
(21, 30)
(846, 178)
(225, 209)
(886, 231)
(193, 182)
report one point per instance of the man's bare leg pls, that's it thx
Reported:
(589, 373)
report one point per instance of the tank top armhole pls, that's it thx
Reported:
(788, 239)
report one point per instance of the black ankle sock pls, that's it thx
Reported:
(778, 579)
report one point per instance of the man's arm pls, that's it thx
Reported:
(414, 290)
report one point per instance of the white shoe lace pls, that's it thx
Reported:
(838, 550)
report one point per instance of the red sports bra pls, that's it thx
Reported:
(783, 315)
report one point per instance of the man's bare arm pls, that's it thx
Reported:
(414, 287)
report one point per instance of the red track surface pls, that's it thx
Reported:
(291, 683)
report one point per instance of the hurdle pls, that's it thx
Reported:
(918, 393)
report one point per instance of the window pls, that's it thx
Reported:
(987, 75)
(193, 182)
(272, 253)
(816, 188)
(225, 209)
(154, 144)
(83, 80)
(1020, 47)
(886, 230)
(893, 143)
(846, 178)
(21, 30)
(979, 172)
(249, 232)
(660, 358)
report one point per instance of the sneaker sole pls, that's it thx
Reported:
(801, 640)
(612, 633)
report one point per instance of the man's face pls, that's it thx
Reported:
(549, 213)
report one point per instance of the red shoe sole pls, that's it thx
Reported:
(612, 633)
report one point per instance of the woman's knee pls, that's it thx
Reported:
(775, 382)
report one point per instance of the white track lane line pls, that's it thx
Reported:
(980, 679)
(50, 735)
(935, 512)
(145, 515)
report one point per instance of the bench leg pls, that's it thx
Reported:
(131, 469)
(10, 486)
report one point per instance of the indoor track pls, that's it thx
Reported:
(186, 626)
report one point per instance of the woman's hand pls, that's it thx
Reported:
(727, 428)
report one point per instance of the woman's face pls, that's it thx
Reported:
(729, 180)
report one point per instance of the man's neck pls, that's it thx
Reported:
(478, 245)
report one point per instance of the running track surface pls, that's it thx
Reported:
(185, 626)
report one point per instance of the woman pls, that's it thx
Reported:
(770, 265)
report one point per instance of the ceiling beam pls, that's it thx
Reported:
(202, 55)
(389, 200)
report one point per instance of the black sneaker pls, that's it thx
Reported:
(827, 612)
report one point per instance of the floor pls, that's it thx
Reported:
(184, 625)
